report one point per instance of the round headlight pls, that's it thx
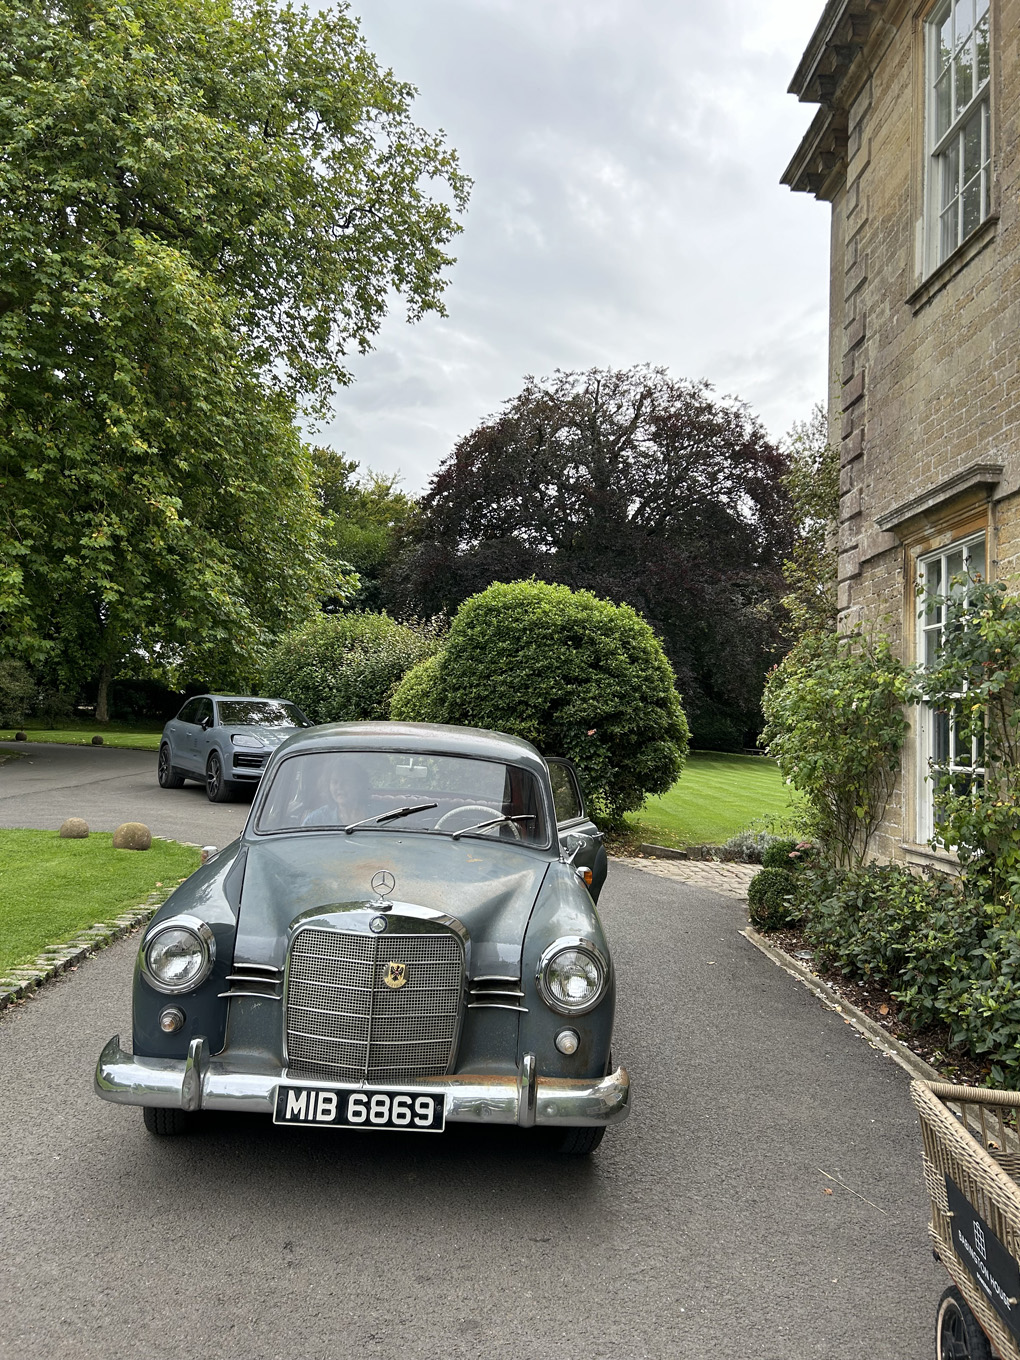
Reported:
(178, 955)
(572, 977)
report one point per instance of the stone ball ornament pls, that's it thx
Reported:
(132, 836)
(97, 740)
(21, 736)
(74, 829)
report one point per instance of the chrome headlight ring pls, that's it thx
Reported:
(178, 955)
(587, 959)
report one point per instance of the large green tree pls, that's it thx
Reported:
(366, 514)
(204, 206)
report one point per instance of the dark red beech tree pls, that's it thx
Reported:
(645, 489)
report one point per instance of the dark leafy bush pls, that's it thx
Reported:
(768, 898)
(574, 674)
(345, 667)
(16, 691)
(418, 697)
(53, 706)
(946, 956)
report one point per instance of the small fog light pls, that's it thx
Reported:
(172, 1019)
(567, 1041)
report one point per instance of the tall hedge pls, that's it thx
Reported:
(575, 675)
(345, 667)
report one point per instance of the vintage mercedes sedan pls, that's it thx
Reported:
(404, 936)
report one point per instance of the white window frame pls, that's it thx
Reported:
(958, 193)
(929, 630)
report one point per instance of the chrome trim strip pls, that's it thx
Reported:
(527, 1093)
(261, 967)
(496, 1006)
(264, 996)
(126, 1079)
(496, 977)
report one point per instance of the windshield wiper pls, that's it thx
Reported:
(390, 816)
(495, 821)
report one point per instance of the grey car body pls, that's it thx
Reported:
(224, 741)
(495, 925)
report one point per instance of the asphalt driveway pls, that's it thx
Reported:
(105, 785)
(701, 1230)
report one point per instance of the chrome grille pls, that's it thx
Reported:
(344, 1023)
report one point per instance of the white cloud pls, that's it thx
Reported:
(626, 209)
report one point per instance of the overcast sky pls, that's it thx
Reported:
(626, 157)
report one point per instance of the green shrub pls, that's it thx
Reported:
(575, 675)
(835, 725)
(345, 667)
(778, 854)
(946, 956)
(418, 697)
(768, 898)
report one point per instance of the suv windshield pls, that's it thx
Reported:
(333, 789)
(260, 713)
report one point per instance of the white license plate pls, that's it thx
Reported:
(371, 1108)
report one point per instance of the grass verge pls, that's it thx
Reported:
(140, 736)
(716, 796)
(50, 889)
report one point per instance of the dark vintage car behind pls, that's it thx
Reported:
(404, 935)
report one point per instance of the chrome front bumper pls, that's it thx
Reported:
(199, 1082)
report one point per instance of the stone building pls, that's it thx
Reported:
(915, 146)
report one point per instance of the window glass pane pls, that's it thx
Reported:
(972, 197)
(964, 73)
(950, 173)
(972, 157)
(954, 565)
(932, 643)
(943, 104)
(976, 560)
(568, 805)
(949, 232)
(983, 62)
(940, 738)
(963, 18)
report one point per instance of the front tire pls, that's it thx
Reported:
(167, 1123)
(165, 772)
(958, 1334)
(580, 1142)
(218, 788)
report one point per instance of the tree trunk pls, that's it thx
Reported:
(102, 704)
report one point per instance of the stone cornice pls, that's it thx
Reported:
(981, 477)
(842, 34)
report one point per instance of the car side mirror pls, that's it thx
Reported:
(205, 724)
(571, 846)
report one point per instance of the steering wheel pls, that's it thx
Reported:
(476, 807)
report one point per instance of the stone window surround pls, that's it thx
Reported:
(960, 506)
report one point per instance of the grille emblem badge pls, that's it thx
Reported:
(377, 925)
(395, 975)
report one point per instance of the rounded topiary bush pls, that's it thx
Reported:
(777, 855)
(418, 697)
(577, 676)
(344, 667)
(767, 896)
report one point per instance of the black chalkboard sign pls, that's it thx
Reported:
(995, 1272)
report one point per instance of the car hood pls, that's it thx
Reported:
(488, 886)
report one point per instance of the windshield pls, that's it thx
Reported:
(261, 713)
(333, 789)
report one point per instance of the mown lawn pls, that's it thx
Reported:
(716, 796)
(50, 889)
(138, 735)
